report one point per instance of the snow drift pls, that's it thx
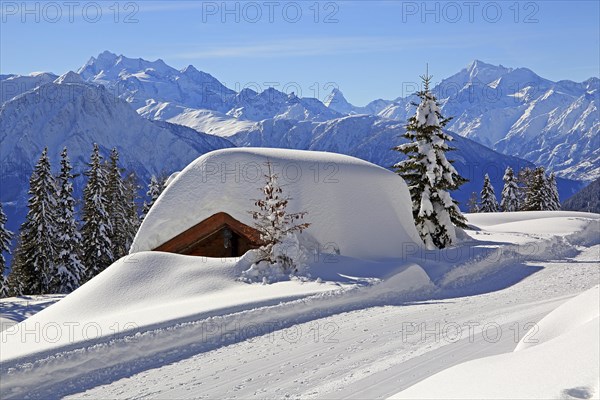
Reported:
(564, 363)
(354, 207)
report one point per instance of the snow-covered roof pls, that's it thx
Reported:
(360, 208)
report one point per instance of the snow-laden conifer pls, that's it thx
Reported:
(117, 207)
(70, 269)
(510, 192)
(489, 203)
(5, 238)
(429, 174)
(537, 192)
(554, 200)
(97, 229)
(155, 188)
(36, 255)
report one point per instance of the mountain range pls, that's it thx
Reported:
(514, 111)
(161, 118)
(511, 110)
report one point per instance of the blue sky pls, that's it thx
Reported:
(369, 49)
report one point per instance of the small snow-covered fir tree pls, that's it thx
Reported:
(554, 200)
(537, 192)
(489, 203)
(155, 188)
(472, 204)
(117, 207)
(5, 238)
(277, 227)
(510, 192)
(97, 229)
(429, 174)
(70, 269)
(37, 253)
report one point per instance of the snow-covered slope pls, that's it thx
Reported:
(78, 115)
(364, 136)
(516, 112)
(13, 85)
(272, 103)
(558, 359)
(208, 121)
(358, 208)
(170, 326)
(371, 138)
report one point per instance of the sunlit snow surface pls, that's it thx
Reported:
(366, 329)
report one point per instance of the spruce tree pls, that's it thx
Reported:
(70, 269)
(38, 248)
(472, 204)
(133, 217)
(155, 188)
(510, 192)
(117, 207)
(275, 224)
(537, 199)
(428, 173)
(554, 200)
(5, 238)
(97, 229)
(20, 273)
(525, 179)
(488, 197)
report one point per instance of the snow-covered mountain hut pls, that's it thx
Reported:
(354, 207)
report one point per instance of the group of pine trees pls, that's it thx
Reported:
(56, 252)
(530, 190)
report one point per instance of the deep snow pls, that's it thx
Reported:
(557, 358)
(355, 208)
(200, 333)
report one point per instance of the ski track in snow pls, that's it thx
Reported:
(360, 348)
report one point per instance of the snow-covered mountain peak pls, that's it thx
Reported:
(336, 101)
(106, 56)
(94, 65)
(69, 77)
(476, 74)
(479, 71)
(109, 66)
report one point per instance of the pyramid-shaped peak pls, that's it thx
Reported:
(69, 77)
(190, 69)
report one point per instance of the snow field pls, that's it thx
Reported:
(559, 359)
(186, 308)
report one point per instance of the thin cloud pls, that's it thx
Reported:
(316, 47)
